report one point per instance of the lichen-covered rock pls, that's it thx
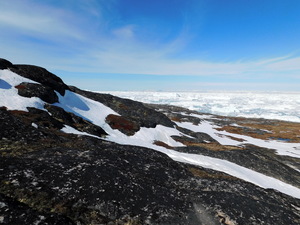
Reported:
(45, 93)
(16, 212)
(97, 182)
(14, 129)
(239, 202)
(41, 118)
(122, 124)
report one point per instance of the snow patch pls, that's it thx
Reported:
(145, 137)
(9, 94)
(71, 130)
(2, 205)
(91, 110)
(233, 169)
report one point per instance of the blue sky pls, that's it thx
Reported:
(170, 45)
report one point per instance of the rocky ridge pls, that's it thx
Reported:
(50, 176)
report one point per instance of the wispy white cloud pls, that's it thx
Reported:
(126, 32)
(85, 45)
(137, 60)
(34, 19)
(286, 64)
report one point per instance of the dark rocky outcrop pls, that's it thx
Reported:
(45, 93)
(39, 117)
(100, 185)
(42, 76)
(74, 121)
(5, 64)
(14, 128)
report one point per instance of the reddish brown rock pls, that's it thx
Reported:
(122, 124)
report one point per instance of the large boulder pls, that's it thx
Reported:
(45, 93)
(122, 124)
(42, 76)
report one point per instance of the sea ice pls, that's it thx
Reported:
(268, 105)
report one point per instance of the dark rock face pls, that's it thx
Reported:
(41, 118)
(45, 93)
(238, 202)
(5, 64)
(15, 212)
(42, 76)
(13, 128)
(132, 110)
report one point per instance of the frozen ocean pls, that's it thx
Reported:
(268, 105)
